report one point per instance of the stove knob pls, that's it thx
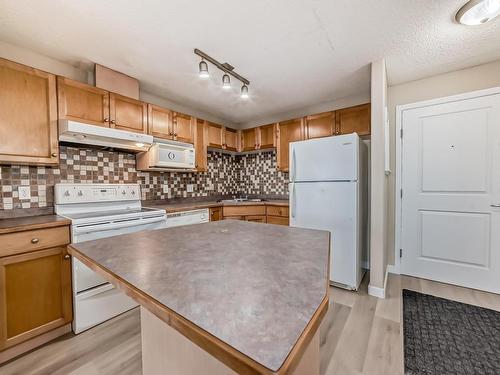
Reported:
(124, 192)
(80, 193)
(66, 193)
(133, 192)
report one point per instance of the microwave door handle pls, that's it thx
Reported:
(293, 205)
(294, 165)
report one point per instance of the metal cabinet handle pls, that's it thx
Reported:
(106, 119)
(35, 240)
(54, 154)
(113, 121)
(67, 256)
(495, 205)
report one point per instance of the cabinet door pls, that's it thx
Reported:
(128, 114)
(354, 119)
(160, 122)
(214, 135)
(288, 131)
(201, 144)
(320, 125)
(230, 139)
(83, 103)
(35, 294)
(215, 213)
(184, 127)
(266, 136)
(28, 115)
(278, 220)
(248, 140)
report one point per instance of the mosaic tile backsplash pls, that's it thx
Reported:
(227, 174)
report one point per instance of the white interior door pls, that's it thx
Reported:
(451, 193)
(331, 206)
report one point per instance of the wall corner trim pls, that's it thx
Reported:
(375, 291)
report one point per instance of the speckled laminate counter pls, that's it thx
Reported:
(256, 289)
(31, 222)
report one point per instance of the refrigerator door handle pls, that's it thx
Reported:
(294, 165)
(292, 208)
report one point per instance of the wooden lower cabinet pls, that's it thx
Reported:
(215, 213)
(257, 213)
(279, 220)
(277, 215)
(35, 294)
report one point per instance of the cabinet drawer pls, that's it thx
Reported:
(244, 210)
(277, 211)
(279, 220)
(22, 242)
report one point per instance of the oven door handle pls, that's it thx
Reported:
(118, 225)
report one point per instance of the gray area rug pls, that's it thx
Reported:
(448, 337)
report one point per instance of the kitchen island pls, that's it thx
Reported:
(226, 297)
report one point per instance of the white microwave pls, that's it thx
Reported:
(167, 156)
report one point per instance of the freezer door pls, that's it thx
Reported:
(331, 206)
(325, 159)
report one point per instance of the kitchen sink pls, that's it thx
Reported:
(241, 200)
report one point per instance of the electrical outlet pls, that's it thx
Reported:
(189, 188)
(165, 188)
(24, 192)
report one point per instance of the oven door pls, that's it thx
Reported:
(83, 277)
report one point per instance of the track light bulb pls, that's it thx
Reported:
(203, 69)
(226, 81)
(244, 91)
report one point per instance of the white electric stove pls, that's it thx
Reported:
(99, 211)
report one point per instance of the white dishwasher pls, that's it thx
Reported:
(176, 219)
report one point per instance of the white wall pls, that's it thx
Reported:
(48, 64)
(460, 81)
(378, 209)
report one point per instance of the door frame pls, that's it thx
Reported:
(400, 109)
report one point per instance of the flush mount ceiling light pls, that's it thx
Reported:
(226, 81)
(228, 70)
(203, 72)
(477, 12)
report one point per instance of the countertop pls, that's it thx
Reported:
(31, 222)
(194, 205)
(256, 289)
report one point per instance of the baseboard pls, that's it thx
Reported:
(375, 291)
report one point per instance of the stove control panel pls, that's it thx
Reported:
(86, 193)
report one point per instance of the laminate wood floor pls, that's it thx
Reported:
(360, 335)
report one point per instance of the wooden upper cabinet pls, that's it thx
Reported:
(184, 127)
(160, 122)
(320, 125)
(201, 144)
(28, 115)
(128, 114)
(248, 139)
(214, 135)
(266, 136)
(83, 103)
(288, 131)
(230, 139)
(354, 119)
(35, 294)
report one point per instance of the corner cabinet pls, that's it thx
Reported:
(214, 135)
(35, 284)
(249, 139)
(28, 121)
(230, 139)
(128, 114)
(288, 131)
(201, 145)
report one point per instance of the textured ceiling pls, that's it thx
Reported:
(295, 53)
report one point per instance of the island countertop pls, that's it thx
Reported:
(251, 295)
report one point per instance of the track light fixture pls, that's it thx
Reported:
(228, 70)
(244, 91)
(203, 69)
(226, 81)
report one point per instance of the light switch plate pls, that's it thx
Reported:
(24, 192)
(189, 188)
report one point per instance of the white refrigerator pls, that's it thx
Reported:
(329, 190)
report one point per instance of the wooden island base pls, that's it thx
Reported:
(166, 351)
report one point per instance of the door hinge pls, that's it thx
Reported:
(400, 253)
(401, 132)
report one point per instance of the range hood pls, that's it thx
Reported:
(77, 132)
